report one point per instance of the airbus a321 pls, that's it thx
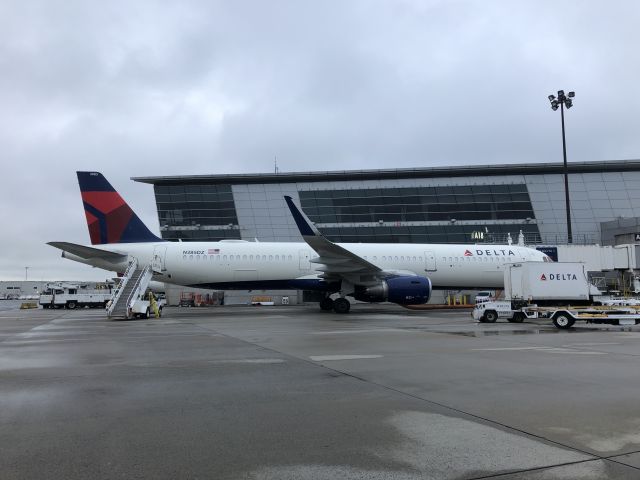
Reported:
(404, 274)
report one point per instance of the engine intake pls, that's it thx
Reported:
(404, 290)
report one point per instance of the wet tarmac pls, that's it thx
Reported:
(294, 393)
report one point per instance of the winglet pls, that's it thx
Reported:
(305, 225)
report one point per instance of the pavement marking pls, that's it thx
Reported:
(372, 330)
(250, 360)
(593, 344)
(506, 349)
(325, 358)
(566, 351)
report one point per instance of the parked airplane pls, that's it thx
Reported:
(400, 273)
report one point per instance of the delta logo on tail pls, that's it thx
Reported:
(109, 218)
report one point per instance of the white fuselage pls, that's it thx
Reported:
(260, 265)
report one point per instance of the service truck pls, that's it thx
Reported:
(558, 291)
(67, 295)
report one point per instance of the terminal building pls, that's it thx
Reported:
(465, 204)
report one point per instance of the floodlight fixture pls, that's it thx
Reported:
(552, 98)
(572, 94)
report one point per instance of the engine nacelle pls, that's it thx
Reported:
(405, 290)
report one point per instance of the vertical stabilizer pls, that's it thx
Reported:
(109, 218)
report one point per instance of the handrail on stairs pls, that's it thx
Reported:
(133, 264)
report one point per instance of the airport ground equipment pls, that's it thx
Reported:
(67, 295)
(541, 283)
(128, 300)
(562, 317)
(560, 292)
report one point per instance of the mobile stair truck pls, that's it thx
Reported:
(67, 295)
(128, 299)
(560, 292)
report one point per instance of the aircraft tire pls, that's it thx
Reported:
(341, 305)
(326, 304)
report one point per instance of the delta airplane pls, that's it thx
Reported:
(399, 273)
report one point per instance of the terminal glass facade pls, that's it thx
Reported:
(406, 215)
(196, 212)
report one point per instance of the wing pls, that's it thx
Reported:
(89, 252)
(333, 260)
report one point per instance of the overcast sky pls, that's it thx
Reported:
(203, 87)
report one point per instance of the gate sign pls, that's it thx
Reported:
(551, 251)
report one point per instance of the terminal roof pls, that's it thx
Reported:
(398, 173)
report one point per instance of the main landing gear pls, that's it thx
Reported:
(339, 305)
(326, 304)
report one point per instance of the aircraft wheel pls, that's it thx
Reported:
(326, 304)
(341, 305)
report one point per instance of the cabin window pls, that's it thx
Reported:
(402, 258)
(270, 257)
(184, 257)
(444, 259)
(414, 259)
(238, 257)
(190, 257)
(277, 257)
(290, 257)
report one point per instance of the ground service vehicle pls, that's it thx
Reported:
(66, 295)
(560, 292)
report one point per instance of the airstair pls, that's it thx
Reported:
(128, 300)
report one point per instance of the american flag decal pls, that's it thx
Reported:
(213, 251)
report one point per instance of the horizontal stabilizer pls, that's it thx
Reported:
(89, 252)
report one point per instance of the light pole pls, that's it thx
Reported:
(26, 270)
(564, 101)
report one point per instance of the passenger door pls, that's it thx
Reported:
(430, 259)
(159, 259)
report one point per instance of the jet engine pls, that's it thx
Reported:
(404, 290)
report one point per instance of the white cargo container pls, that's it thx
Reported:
(535, 282)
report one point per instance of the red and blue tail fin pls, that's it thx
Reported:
(109, 218)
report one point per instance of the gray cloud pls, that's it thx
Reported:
(200, 87)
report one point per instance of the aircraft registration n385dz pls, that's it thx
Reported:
(399, 273)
